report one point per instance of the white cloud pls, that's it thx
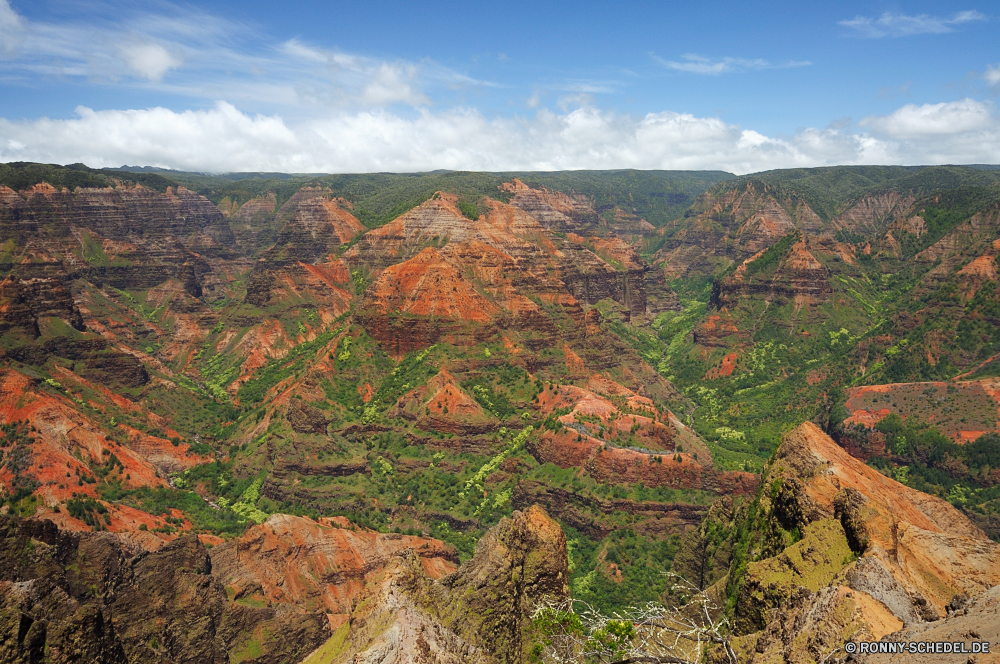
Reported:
(933, 120)
(150, 60)
(959, 132)
(391, 84)
(992, 76)
(219, 59)
(225, 139)
(699, 64)
(11, 26)
(902, 25)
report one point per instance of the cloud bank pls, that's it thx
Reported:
(224, 139)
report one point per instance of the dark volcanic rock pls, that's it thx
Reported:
(306, 419)
(97, 598)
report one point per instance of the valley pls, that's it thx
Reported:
(341, 410)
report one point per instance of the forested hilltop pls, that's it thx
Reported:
(382, 362)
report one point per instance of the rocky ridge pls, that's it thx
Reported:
(844, 553)
(479, 613)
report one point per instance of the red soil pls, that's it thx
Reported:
(962, 410)
(67, 442)
(724, 369)
(428, 285)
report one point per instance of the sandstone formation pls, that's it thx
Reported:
(554, 210)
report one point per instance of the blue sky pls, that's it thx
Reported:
(346, 87)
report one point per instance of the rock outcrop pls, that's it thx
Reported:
(96, 598)
(304, 565)
(479, 613)
(798, 278)
(844, 553)
(554, 210)
(969, 620)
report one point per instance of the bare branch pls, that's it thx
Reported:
(576, 632)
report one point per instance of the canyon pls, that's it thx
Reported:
(385, 418)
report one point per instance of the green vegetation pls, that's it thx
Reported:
(623, 569)
(254, 390)
(16, 458)
(22, 175)
(917, 454)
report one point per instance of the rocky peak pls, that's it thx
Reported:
(841, 553)
(437, 221)
(480, 613)
(555, 210)
(916, 551)
(315, 224)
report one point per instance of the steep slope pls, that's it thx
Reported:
(837, 552)
(67, 597)
(301, 564)
(480, 613)
(554, 210)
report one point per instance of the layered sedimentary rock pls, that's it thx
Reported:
(872, 215)
(598, 269)
(733, 223)
(799, 278)
(554, 210)
(316, 566)
(438, 221)
(314, 224)
(125, 237)
(479, 613)
(619, 438)
(301, 266)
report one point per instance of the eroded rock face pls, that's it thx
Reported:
(554, 210)
(98, 598)
(64, 436)
(438, 221)
(799, 278)
(932, 549)
(128, 237)
(480, 613)
(874, 556)
(969, 620)
(297, 562)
